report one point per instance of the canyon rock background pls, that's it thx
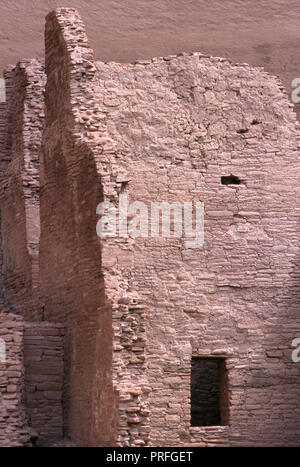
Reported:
(264, 33)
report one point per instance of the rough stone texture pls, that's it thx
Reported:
(2, 90)
(72, 286)
(31, 379)
(21, 121)
(136, 311)
(168, 129)
(14, 429)
(3, 127)
(43, 357)
(20, 187)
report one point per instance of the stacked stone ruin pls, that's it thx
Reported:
(101, 333)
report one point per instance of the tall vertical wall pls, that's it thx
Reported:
(31, 385)
(137, 310)
(72, 285)
(3, 127)
(175, 127)
(20, 187)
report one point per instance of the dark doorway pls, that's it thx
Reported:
(209, 392)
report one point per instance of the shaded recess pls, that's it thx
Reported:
(208, 391)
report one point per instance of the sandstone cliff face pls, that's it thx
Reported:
(136, 311)
(263, 33)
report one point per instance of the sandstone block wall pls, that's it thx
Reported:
(3, 126)
(169, 129)
(238, 297)
(72, 287)
(20, 186)
(14, 429)
(137, 310)
(44, 369)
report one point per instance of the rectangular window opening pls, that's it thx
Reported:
(209, 392)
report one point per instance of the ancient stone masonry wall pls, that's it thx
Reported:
(31, 380)
(176, 127)
(137, 310)
(14, 429)
(129, 364)
(106, 342)
(3, 126)
(20, 186)
(44, 368)
(72, 285)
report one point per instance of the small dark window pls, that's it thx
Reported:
(230, 180)
(209, 392)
